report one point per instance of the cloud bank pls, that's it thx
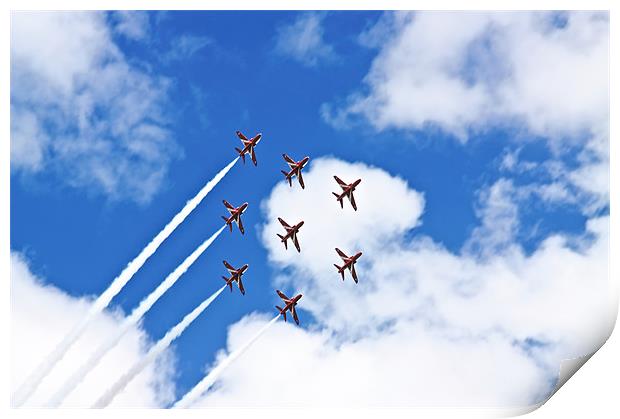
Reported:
(465, 70)
(41, 315)
(425, 326)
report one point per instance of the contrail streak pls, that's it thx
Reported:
(156, 350)
(135, 316)
(200, 388)
(29, 386)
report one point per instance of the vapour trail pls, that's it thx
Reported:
(135, 316)
(29, 386)
(200, 388)
(155, 350)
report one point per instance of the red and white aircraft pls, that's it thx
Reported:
(349, 263)
(235, 275)
(290, 304)
(235, 215)
(291, 233)
(248, 146)
(347, 190)
(296, 167)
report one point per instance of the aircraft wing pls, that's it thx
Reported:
(253, 155)
(295, 315)
(296, 242)
(241, 287)
(340, 182)
(290, 161)
(242, 137)
(341, 253)
(240, 224)
(352, 199)
(353, 273)
(284, 223)
(229, 267)
(301, 179)
(227, 205)
(282, 296)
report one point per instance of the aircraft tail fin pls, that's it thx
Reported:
(282, 312)
(340, 270)
(290, 180)
(227, 222)
(284, 240)
(339, 199)
(241, 153)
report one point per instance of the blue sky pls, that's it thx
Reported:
(227, 71)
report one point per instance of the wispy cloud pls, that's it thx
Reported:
(185, 46)
(303, 40)
(133, 24)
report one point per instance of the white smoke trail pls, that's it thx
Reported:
(200, 388)
(135, 316)
(156, 350)
(32, 382)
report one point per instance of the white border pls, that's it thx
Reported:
(591, 393)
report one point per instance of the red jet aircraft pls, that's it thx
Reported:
(347, 190)
(295, 167)
(291, 232)
(248, 146)
(235, 215)
(290, 304)
(349, 263)
(235, 275)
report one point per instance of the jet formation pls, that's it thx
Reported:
(291, 231)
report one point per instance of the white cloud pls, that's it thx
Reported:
(41, 314)
(424, 326)
(81, 110)
(462, 71)
(303, 40)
